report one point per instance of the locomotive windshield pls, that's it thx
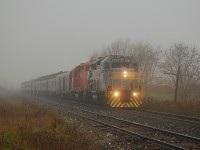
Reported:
(125, 64)
(120, 65)
(124, 84)
(123, 61)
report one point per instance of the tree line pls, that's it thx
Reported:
(178, 66)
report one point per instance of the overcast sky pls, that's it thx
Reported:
(39, 37)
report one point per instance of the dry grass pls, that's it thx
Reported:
(191, 108)
(24, 125)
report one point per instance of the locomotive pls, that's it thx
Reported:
(112, 80)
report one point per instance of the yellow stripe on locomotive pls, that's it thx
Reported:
(124, 91)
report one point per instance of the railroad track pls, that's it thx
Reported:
(164, 115)
(182, 118)
(163, 138)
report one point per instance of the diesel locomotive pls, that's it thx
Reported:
(112, 80)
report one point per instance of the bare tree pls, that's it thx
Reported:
(118, 47)
(186, 62)
(94, 56)
(147, 58)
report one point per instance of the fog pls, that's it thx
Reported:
(40, 37)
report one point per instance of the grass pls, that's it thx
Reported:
(191, 108)
(27, 126)
(161, 99)
(24, 125)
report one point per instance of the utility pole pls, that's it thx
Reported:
(176, 85)
(125, 52)
(177, 80)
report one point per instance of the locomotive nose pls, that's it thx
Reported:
(125, 96)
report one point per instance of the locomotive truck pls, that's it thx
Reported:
(112, 80)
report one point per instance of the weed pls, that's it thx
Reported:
(24, 125)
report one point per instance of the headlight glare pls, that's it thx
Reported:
(116, 94)
(134, 94)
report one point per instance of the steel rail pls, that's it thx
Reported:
(151, 140)
(185, 117)
(167, 116)
(176, 117)
(135, 123)
(139, 124)
(158, 142)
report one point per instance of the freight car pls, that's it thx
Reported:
(111, 80)
(63, 84)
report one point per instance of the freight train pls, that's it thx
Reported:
(112, 80)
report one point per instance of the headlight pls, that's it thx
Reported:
(125, 74)
(116, 94)
(135, 94)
